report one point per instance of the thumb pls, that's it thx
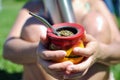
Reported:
(43, 34)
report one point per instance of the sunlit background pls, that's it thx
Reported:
(8, 12)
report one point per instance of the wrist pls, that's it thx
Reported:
(104, 55)
(109, 53)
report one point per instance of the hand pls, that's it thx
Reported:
(67, 70)
(46, 58)
(91, 52)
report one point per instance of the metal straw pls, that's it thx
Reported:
(46, 23)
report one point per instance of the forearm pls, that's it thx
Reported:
(111, 53)
(114, 52)
(20, 51)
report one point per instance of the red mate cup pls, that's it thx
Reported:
(67, 43)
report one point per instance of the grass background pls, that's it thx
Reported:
(9, 70)
(10, 8)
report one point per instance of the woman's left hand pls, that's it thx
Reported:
(91, 52)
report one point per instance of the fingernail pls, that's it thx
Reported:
(63, 53)
(76, 49)
(70, 68)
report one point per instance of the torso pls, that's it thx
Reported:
(81, 10)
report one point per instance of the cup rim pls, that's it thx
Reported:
(78, 27)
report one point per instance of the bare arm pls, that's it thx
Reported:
(17, 49)
(105, 30)
(20, 51)
(111, 52)
(109, 18)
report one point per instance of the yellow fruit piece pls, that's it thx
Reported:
(71, 57)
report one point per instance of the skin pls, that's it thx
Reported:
(25, 45)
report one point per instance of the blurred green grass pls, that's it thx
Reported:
(10, 9)
(118, 22)
(9, 70)
(7, 17)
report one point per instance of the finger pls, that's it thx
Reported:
(53, 72)
(43, 34)
(52, 55)
(88, 38)
(81, 67)
(48, 54)
(88, 50)
(55, 69)
(82, 51)
(60, 66)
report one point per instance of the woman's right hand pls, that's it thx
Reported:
(46, 58)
